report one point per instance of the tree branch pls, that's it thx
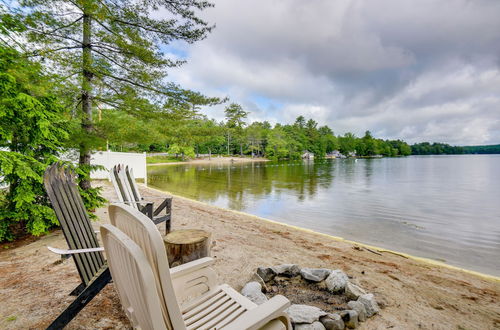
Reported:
(65, 26)
(131, 82)
(34, 54)
(112, 60)
(110, 48)
(41, 32)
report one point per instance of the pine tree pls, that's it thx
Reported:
(110, 52)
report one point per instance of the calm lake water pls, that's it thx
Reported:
(440, 207)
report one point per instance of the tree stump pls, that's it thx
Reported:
(186, 245)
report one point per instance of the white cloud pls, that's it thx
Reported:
(417, 71)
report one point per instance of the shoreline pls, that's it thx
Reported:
(412, 294)
(215, 160)
(341, 239)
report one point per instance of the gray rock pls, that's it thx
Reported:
(258, 279)
(253, 291)
(358, 307)
(321, 285)
(315, 274)
(352, 291)
(304, 313)
(266, 273)
(313, 326)
(371, 305)
(350, 319)
(336, 281)
(289, 270)
(332, 322)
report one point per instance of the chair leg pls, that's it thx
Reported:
(82, 300)
(166, 219)
(79, 289)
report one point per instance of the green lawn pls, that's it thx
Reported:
(162, 159)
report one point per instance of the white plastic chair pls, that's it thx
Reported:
(209, 306)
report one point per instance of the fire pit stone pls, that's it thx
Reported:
(321, 298)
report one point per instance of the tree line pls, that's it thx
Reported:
(426, 148)
(193, 133)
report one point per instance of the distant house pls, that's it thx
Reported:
(307, 155)
(335, 154)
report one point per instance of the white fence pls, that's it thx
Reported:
(108, 159)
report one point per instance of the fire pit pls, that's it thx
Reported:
(321, 298)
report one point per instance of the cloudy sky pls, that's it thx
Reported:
(426, 70)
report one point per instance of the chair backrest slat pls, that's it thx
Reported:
(132, 276)
(70, 211)
(133, 185)
(126, 190)
(144, 233)
(86, 231)
(113, 173)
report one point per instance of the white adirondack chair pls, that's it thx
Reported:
(127, 191)
(207, 306)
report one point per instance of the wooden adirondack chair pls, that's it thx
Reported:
(134, 244)
(126, 188)
(81, 238)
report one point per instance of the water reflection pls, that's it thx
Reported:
(444, 207)
(240, 182)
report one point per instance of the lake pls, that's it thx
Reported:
(445, 208)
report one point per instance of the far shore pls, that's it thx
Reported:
(216, 160)
(413, 294)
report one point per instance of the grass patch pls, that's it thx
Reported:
(11, 318)
(162, 159)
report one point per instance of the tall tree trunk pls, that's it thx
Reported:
(87, 125)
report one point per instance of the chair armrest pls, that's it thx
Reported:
(143, 201)
(166, 204)
(63, 251)
(259, 316)
(190, 267)
(193, 278)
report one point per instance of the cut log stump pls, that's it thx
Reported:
(186, 245)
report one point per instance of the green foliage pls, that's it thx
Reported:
(125, 43)
(32, 129)
(489, 149)
(183, 135)
(235, 116)
(184, 151)
(161, 159)
(110, 54)
(91, 197)
(426, 148)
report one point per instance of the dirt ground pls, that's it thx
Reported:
(34, 283)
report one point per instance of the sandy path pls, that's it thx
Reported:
(34, 284)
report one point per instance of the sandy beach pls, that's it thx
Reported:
(413, 294)
(216, 160)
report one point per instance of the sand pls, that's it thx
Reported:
(413, 294)
(216, 160)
